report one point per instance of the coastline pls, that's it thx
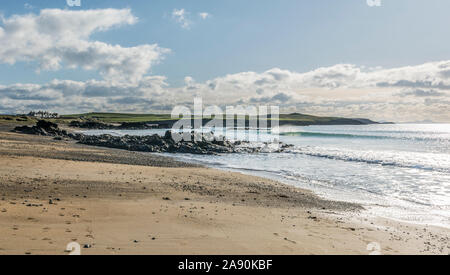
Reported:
(121, 202)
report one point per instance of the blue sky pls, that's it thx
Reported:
(323, 57)
(256, 35)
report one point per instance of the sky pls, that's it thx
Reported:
(353, 58)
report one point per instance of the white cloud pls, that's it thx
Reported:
(204, 15)
(57, 38)
(341, 90)
(86, 96)
(181, 17)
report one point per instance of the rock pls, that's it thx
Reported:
(194, 143)
(137, 125)
(168, 135)
(42, 128)
(91, 125)
(44, 124)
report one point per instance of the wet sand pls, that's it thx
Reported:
(118, 202)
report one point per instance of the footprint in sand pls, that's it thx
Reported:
(291, 241)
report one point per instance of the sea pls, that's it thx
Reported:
(397, 171)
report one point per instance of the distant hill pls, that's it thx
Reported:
(297, 119)
(294, 119)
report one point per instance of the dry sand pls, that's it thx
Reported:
(116, 202)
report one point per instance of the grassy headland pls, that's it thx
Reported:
(284, 119)
(143, 121)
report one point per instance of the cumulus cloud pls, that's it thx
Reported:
(385, 94)
(181, 17)
(85, 96)
(57, 38)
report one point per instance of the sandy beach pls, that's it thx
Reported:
(118, 202)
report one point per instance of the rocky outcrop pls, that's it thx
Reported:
(42, 128)
(91, 125)
(137, 126)
(156, 143)
(104, 126)
(196, 143)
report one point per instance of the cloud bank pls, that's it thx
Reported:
(61, 38)
(403, 94)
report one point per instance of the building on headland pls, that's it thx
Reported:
(43, 114)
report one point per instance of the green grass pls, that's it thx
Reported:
(119, 118)
(305, 118)
(17, 120)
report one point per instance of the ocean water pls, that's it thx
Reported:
(399, 171)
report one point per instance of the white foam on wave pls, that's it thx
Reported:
(414, 160)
